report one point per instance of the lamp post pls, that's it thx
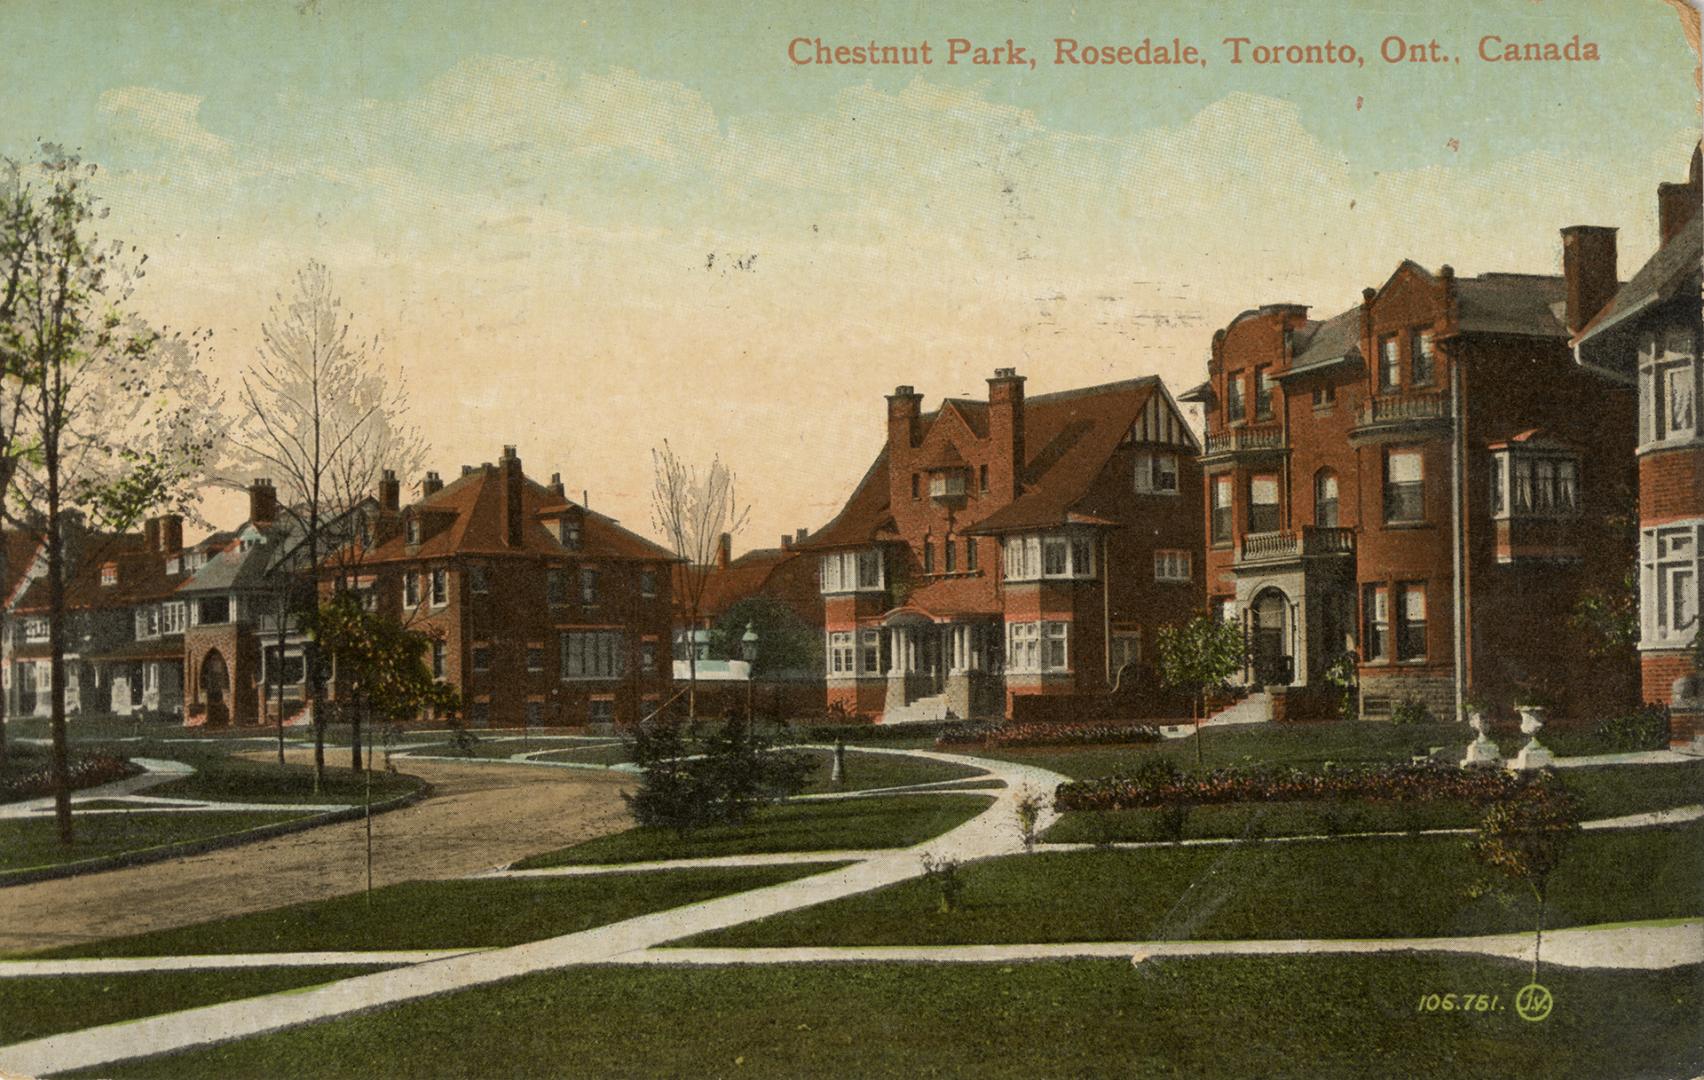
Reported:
(748, 651)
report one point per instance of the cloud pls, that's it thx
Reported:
(165, 115)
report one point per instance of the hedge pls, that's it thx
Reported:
(1020, 735)
(1397, 783)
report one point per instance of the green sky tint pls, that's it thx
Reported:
(536, 204)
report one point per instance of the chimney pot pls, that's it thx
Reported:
(431, 485)
(1368, 294)
(390, 492)
(799, 535)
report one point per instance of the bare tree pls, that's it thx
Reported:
(692, 511)
(320, 414)
(118, 420)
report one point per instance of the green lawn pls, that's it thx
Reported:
(34, 1006)
(590, 755)
(867, 771)
(888, 821)
(1397, 887)
(468, 913)
(32, 843)
(221, 776)
(1324, 1018)
(1302, 745)
(1606, 791)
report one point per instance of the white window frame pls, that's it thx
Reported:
(1536, 477)
(858, 570)
(1666, 359)
(1667, 576)
(869, 652)
(1031, 556)
(592, 654)
(1155, 472)
(1173, 565)
(842, 658)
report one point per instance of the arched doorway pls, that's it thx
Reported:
(1272, 664)
(215, 688)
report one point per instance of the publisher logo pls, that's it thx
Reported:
(1533, 1002)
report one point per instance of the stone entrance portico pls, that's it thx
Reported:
(939, 669)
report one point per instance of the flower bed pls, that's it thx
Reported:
(1021, 735)
(1395, 783)
(87, 770)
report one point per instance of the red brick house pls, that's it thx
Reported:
(1650, 333)
(1426, 480)
(1003, 551)
(784, 574)
(543, 611)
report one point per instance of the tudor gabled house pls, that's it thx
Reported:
(541, 611)
(1426, 481)
(1651, 332)
(998, 552)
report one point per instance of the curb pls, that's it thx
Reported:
(209, 843)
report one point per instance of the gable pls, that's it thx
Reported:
(1161, 421)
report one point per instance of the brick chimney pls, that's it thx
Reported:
(799, 535)
(390, 492)
(151, 535)
(431, 485)
(1677, 204)
(509, 468)
(1006, 433)
(263, 502)
(556, 488)
(1588, 272)
(171, 534)
(724, 550)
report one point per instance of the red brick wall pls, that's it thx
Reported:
(1659, 669)
(1671, 485)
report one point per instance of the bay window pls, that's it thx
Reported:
(1528, 483)
(1668, 387)
(1669, 575)
(852, 571)
(1051, 555)
(1038, 647)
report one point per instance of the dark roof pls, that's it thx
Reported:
(141, 575)
(1325, 343)
(165, 648)
(1676, 265)
(245, 560)
(21, 548)
(865, 512)
(726, 586)
(1530, 305)
(1200, 392)
(472, 507)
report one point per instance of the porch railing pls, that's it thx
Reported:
(1397, 408)
(1267, 437)
(1310, 541)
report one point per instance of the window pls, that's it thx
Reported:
(535, 657)
(1411, 627)
(290, 670)
(648, 657)
(568, 533)
(535, 713)
(440, 588)
(1325, 499)
(482, 658)
(928, 556)
(947, 485)
(147, 623)
(1669, 583)
(600, 711)
(840, 653)
(1526, 484)
(869, 652)
(949, 552)
(1263, 393)
(982, 478)
(1375, 608)
(1390, 375)
(411, 589)
(109, 574)
(1668, 386)
(1053, 653)
(1055, 557)
(916, 486)
(869, 569)
(1324, 395)
(647, 583)
(1263, 503)
(213, 610)
(852, 571)
(969, 553)
(1126, 650)
(1422, 364)
(588, 586)
(173, 617)
(440, 659)
(1405, 488)
(1082, 556)
(413, 528)
(593, 654)
(1171, 565)
(1235, 407)
(1222, 509)
(1058, 556)
(1156, 473)
(1038, 646)
(478, 578)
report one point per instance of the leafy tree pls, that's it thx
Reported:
(1524, 836)
(383, 671)
(1198, 657)
(785, 642)
(114, 418)
(733, 773)
(692, 510)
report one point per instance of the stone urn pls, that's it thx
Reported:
(1534, 755)
(1482, 751)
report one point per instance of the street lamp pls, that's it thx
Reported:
(748, 650)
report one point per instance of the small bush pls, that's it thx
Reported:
(1029, 806)
(1411, 710)
(1647, 729)
(942, 871)
(735, 773)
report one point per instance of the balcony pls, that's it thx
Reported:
(1398, 410)
(1264, 438)
(1265, 549)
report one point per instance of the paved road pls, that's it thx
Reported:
(480, 816)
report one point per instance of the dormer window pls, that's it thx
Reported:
(568, 532)
(109, 574)
(413, 529)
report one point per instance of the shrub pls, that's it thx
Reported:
(942, 871)
(872, 732)
(1340, 676)
(1647, 729)
(85, 770)
(1410, 710)
(735, 773)
(1028, 808)
(1151, 787)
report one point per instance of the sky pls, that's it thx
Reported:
(582, 228)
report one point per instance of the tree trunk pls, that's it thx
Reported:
(691, 666)
(56, 647)
(355, 716)
(283, 634)
(1538, 938)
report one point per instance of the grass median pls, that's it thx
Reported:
(33, 843)
(881, 821)
(1362, 888)
(470, 913)
(1279, 1017)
